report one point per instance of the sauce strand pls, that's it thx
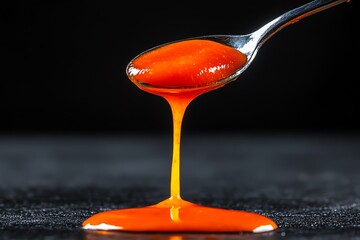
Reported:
(178, 72)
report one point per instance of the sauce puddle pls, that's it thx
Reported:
(170, 72)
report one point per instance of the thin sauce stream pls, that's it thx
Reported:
(170, 72)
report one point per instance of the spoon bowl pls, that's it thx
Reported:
(247, 44)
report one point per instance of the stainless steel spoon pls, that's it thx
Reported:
(249, 44)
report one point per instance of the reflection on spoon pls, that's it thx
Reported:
(248, 45)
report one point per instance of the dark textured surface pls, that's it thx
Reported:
(309, 184)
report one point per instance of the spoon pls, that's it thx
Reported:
(249, 44)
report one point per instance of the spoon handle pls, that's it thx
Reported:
(292, 16)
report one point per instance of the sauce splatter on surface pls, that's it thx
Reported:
(179, 72)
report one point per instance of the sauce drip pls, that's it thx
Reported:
(179, 72)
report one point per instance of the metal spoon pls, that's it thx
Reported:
(249, 44)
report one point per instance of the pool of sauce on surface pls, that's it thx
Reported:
(172, 71)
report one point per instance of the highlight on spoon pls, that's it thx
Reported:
(186, 64)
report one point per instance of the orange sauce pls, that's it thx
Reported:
(171, 71)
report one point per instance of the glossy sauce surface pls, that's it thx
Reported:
(191, 63)
(171, 72)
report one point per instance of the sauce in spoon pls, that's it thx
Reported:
(179, 72)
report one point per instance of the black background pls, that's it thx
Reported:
(64, 63)
(63, 72)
